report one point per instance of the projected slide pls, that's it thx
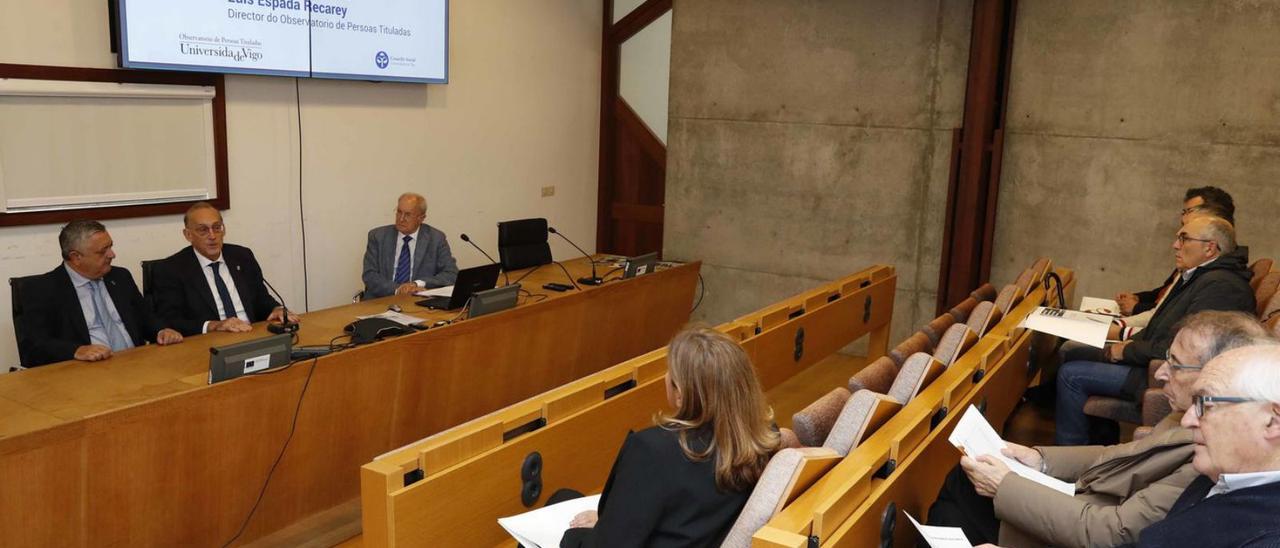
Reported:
(366, 39)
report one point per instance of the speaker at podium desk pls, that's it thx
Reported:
(493, 300)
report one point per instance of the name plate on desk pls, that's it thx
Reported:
(249, 357)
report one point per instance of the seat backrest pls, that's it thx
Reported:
(1259, 268)
(984, 292)
(523, 243)
(983, 317)
(1007, 299)
(862, 415)
(937, 327)
(954, 342)
(148, 284)
(1264, 290)
(789, 473)
(17, 300)
(961, 311)
(917, 342)
(812, 423)
(918, 371)
(877, 376)
(1026, 281)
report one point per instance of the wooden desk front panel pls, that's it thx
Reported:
(146, 454)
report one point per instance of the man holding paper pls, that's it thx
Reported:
(1119, 490)
(1214, 276)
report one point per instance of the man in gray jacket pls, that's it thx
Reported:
(1119, 489)
(408, 255)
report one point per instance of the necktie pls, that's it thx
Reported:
(101, 314)
(228, 307)
(402, 264)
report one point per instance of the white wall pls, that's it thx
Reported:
(521, 111)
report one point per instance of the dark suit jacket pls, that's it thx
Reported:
(432, 260)
(1244, 517)
(52, 323)
(185, 301)
(657, 497)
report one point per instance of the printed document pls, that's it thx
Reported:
(545, 526)
(975, 436)
(941, 537)
(1090, 329)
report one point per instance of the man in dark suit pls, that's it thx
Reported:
(212, 286)
(408, 255)
(85, 309)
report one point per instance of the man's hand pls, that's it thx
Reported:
(407, 288)
(1115, 351)
(168, 336)
(986, 472)
(1126, 301)
(93, 353)
(230, 325)
(585, 519)
(1023, 454)
(277, 315)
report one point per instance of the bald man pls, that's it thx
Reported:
(409, 255)
(1214, 275)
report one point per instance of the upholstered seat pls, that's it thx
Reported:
(917, 372)
(937, 327)
(812, 423)
(877, 376)
(955, 341)
(789, 473)
(861, 416)
(917, 342)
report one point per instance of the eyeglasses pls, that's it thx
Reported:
(1174, 365)
(1183, 239)
(204, 230)
(408, 214)
(1200, 401)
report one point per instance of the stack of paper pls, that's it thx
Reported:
(1090, 329)
(544, 527)
(975, 436)
(446, 291)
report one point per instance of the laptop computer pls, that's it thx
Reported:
(470, 280)
(639, 265)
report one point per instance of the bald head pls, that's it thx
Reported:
(1236, 426)
(411, 210)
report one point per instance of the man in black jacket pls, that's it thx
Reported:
(1235, 424)
(84, 309)
(1214, 275)
(212, 286)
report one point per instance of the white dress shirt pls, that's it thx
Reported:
(413, 247)
(1233, 482)
(213, 289)
(97, 332)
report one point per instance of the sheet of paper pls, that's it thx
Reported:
(941, 537)
(1094, 305)
(402, 319)
(545, 526)
(1090, 329)
(975, 436)
(446, 291)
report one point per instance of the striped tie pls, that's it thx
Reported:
(402, 264)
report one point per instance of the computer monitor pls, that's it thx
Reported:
(248, 357)
(494, 300)
(470, 281)
(639, 265)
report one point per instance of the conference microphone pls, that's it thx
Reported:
(285, 326)
(506, 279)
(594, 279)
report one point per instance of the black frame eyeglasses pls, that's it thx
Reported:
(1198, 402)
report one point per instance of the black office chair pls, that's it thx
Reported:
(148, 284)
(19, 329)
(523, 243)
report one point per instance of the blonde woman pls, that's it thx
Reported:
(684, 481)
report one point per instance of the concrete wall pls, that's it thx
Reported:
(809, 140)
(521, 111)
(1116, 108)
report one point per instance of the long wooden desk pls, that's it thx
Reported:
(138, 450)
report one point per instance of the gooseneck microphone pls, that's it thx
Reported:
(594, 279)
(285, 326)
(505, 279)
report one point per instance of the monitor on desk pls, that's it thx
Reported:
(639, 265)
(249, 357)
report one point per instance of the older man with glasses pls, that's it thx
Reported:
(409, 255)
(1120, 489)
(1235, 424)
(1213, 275)
(212, 285)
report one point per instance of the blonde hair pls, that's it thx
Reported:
(718, 388)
